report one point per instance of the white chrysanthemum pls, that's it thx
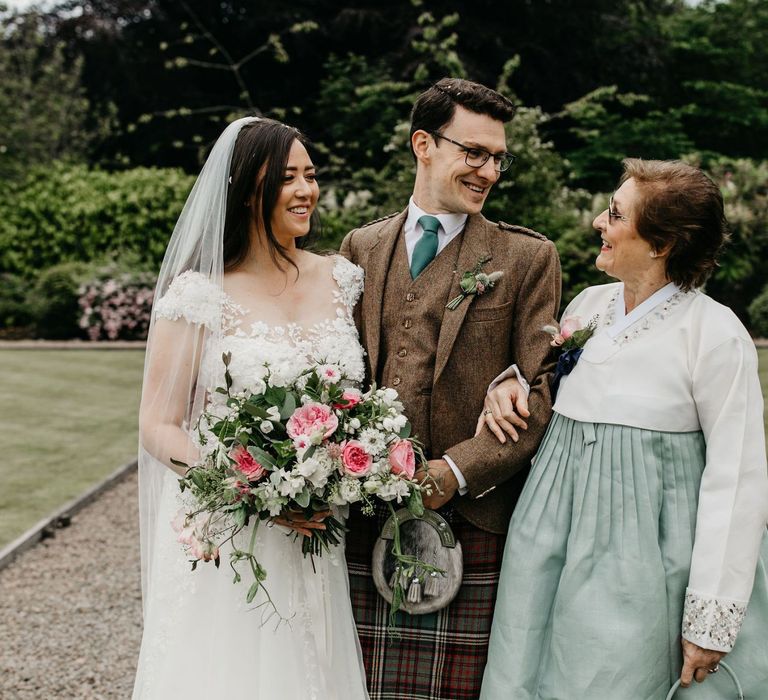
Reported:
(373, 440)
(349, 490)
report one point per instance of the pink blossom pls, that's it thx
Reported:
(334, 451)
(252, 470)
(349, 399)
(569, 326)
(480, 288)
(205, 549)
(402, 459)
(312, 420)
(330, 373)
(355, 458)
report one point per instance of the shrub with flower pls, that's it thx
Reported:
(117, 306)
(312, 446)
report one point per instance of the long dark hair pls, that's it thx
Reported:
(256, 175)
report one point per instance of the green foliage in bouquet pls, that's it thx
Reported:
(293, 452)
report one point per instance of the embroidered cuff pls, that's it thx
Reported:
(712, 623)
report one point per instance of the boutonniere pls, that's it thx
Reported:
(475, 282)
(570, 337)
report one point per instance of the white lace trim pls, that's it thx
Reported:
(194, 297)
(648, 321)
(350, 278)
(712, 623)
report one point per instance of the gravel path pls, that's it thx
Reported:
(70, 607)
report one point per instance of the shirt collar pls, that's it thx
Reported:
(449, 223)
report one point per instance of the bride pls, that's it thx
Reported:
(235, 279)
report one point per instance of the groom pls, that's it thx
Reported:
(441, 362)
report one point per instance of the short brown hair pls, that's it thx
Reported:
(435, 107)
(680, 210)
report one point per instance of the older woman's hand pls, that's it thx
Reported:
(505, 407)
(698, 662)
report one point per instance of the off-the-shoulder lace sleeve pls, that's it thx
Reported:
(350, 278)
(193, 297)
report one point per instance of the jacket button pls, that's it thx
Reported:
(402, 353)
(410, 296)
(396, 381)
(407, 323)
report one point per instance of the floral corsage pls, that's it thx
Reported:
(475, 282)
(570, 337)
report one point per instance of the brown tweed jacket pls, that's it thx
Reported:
(477, 341)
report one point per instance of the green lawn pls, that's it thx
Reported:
(68, 419)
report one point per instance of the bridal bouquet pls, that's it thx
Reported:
(306, 447)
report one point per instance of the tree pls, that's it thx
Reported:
(43, 108)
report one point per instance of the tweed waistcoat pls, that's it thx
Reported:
(412, 313)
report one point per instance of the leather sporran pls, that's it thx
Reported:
(430, 539)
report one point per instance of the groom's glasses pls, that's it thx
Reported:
(478, 157)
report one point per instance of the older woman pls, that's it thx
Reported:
(645, 510)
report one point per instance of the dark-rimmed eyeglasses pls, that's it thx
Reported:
(478, 157)
(613, 214)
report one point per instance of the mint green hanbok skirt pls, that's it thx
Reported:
(593, 580)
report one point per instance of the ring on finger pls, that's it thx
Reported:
(714, 669)
(487, 412)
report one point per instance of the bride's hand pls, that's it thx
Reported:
(504, 410)
(296, 520)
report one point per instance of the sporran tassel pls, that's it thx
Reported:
(414, 591)
(431, 587)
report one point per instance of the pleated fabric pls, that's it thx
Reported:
(595, 568)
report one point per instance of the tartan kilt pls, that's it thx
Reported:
(439, 656)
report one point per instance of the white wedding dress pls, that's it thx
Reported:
(201, 639)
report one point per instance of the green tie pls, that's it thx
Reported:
(426, 247)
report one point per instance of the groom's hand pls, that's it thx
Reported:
(444, 486)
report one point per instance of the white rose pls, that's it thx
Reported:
(265, 426)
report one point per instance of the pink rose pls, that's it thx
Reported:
(569, 326)
(402, 459)
(356, 461)
(480, 288)
(312, 420)
(252, 470)
(349, 399)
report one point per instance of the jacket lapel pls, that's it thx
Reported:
(376, 269)
(474, 246)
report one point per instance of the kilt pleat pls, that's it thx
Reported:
(440, 656)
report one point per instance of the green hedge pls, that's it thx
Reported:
(65, 213)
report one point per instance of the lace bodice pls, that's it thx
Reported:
(258, 348)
